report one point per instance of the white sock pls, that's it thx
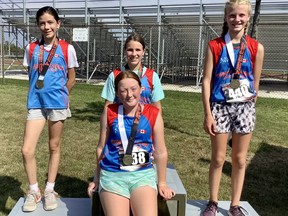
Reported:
(34, 187)
(50, 186)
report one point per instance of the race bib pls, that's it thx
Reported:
(241, 94)
(140, 158)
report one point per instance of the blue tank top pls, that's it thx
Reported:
(54, 94)
(143, 139)
(223, 71)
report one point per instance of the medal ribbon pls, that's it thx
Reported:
(128, 145)
(42, 69)
(230, 49)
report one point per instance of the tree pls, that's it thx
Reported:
(255, 19)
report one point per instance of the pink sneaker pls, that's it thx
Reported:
(32, 198)
(50, 197)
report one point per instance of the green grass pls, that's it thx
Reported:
(266, 180)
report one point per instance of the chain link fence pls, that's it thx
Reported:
(175, 52)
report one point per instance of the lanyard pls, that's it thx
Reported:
(230, 49)
(42, 69)
(128, 145)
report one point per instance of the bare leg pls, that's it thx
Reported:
(114, 205)
(55, 134)
(219, 144)
(239, 155)
(144, 201)
(33, 130)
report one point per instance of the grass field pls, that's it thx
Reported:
(188, 146)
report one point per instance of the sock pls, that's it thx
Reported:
(34, 187)
(50, 186)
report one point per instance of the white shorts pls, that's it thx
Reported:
(49, 114)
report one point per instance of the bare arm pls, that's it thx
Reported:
(103, 124)
(99, 151)
(71, 78)
(209, 124)
(258, 67)
(160, 156)
(158, 105)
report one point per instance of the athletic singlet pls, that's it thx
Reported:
(222, 73)
(110, 160)
(54, 94)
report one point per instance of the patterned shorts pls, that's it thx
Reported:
(234, 117)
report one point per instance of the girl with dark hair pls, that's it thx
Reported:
(232, 70)
(128, 179)
(51, 64)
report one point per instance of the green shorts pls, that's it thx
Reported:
(123, 183)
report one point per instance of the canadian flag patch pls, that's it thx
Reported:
(141, 131)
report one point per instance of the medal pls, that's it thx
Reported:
(39, 84)
(127, 160)
(235, 83)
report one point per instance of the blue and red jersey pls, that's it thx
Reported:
(110, 160)
(223, 69)
(54, 94)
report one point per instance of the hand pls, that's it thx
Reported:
(165, 192)
(92, 188)
(209, 125)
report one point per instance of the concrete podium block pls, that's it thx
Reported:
(196, 207)
(66, 207)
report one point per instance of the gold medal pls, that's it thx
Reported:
(127, 160)
(39, 84)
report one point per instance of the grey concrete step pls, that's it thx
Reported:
(196, 207)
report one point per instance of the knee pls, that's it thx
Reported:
(54, 147)
(27, 152)
(218, 161)
(239, 162)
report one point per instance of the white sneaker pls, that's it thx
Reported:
(50, 197)
(32, 198)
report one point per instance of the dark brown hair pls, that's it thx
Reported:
(47, 9)
(135, 37)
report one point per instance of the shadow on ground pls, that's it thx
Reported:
(67, 186)
(92, 112)
(10, 189)
(266, 181)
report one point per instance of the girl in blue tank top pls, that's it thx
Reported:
(134, 183)
(51, 71)
(232, 70)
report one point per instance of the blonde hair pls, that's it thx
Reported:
(229, 5)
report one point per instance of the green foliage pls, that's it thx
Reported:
(188, 147)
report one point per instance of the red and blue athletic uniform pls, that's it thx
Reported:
(223, 71)
(54, 94)
(143, 139)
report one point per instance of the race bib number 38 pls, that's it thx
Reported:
(242, 94)
(140, 158)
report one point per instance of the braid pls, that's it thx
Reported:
(224, 29)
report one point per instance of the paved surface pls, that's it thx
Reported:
(269, 92)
